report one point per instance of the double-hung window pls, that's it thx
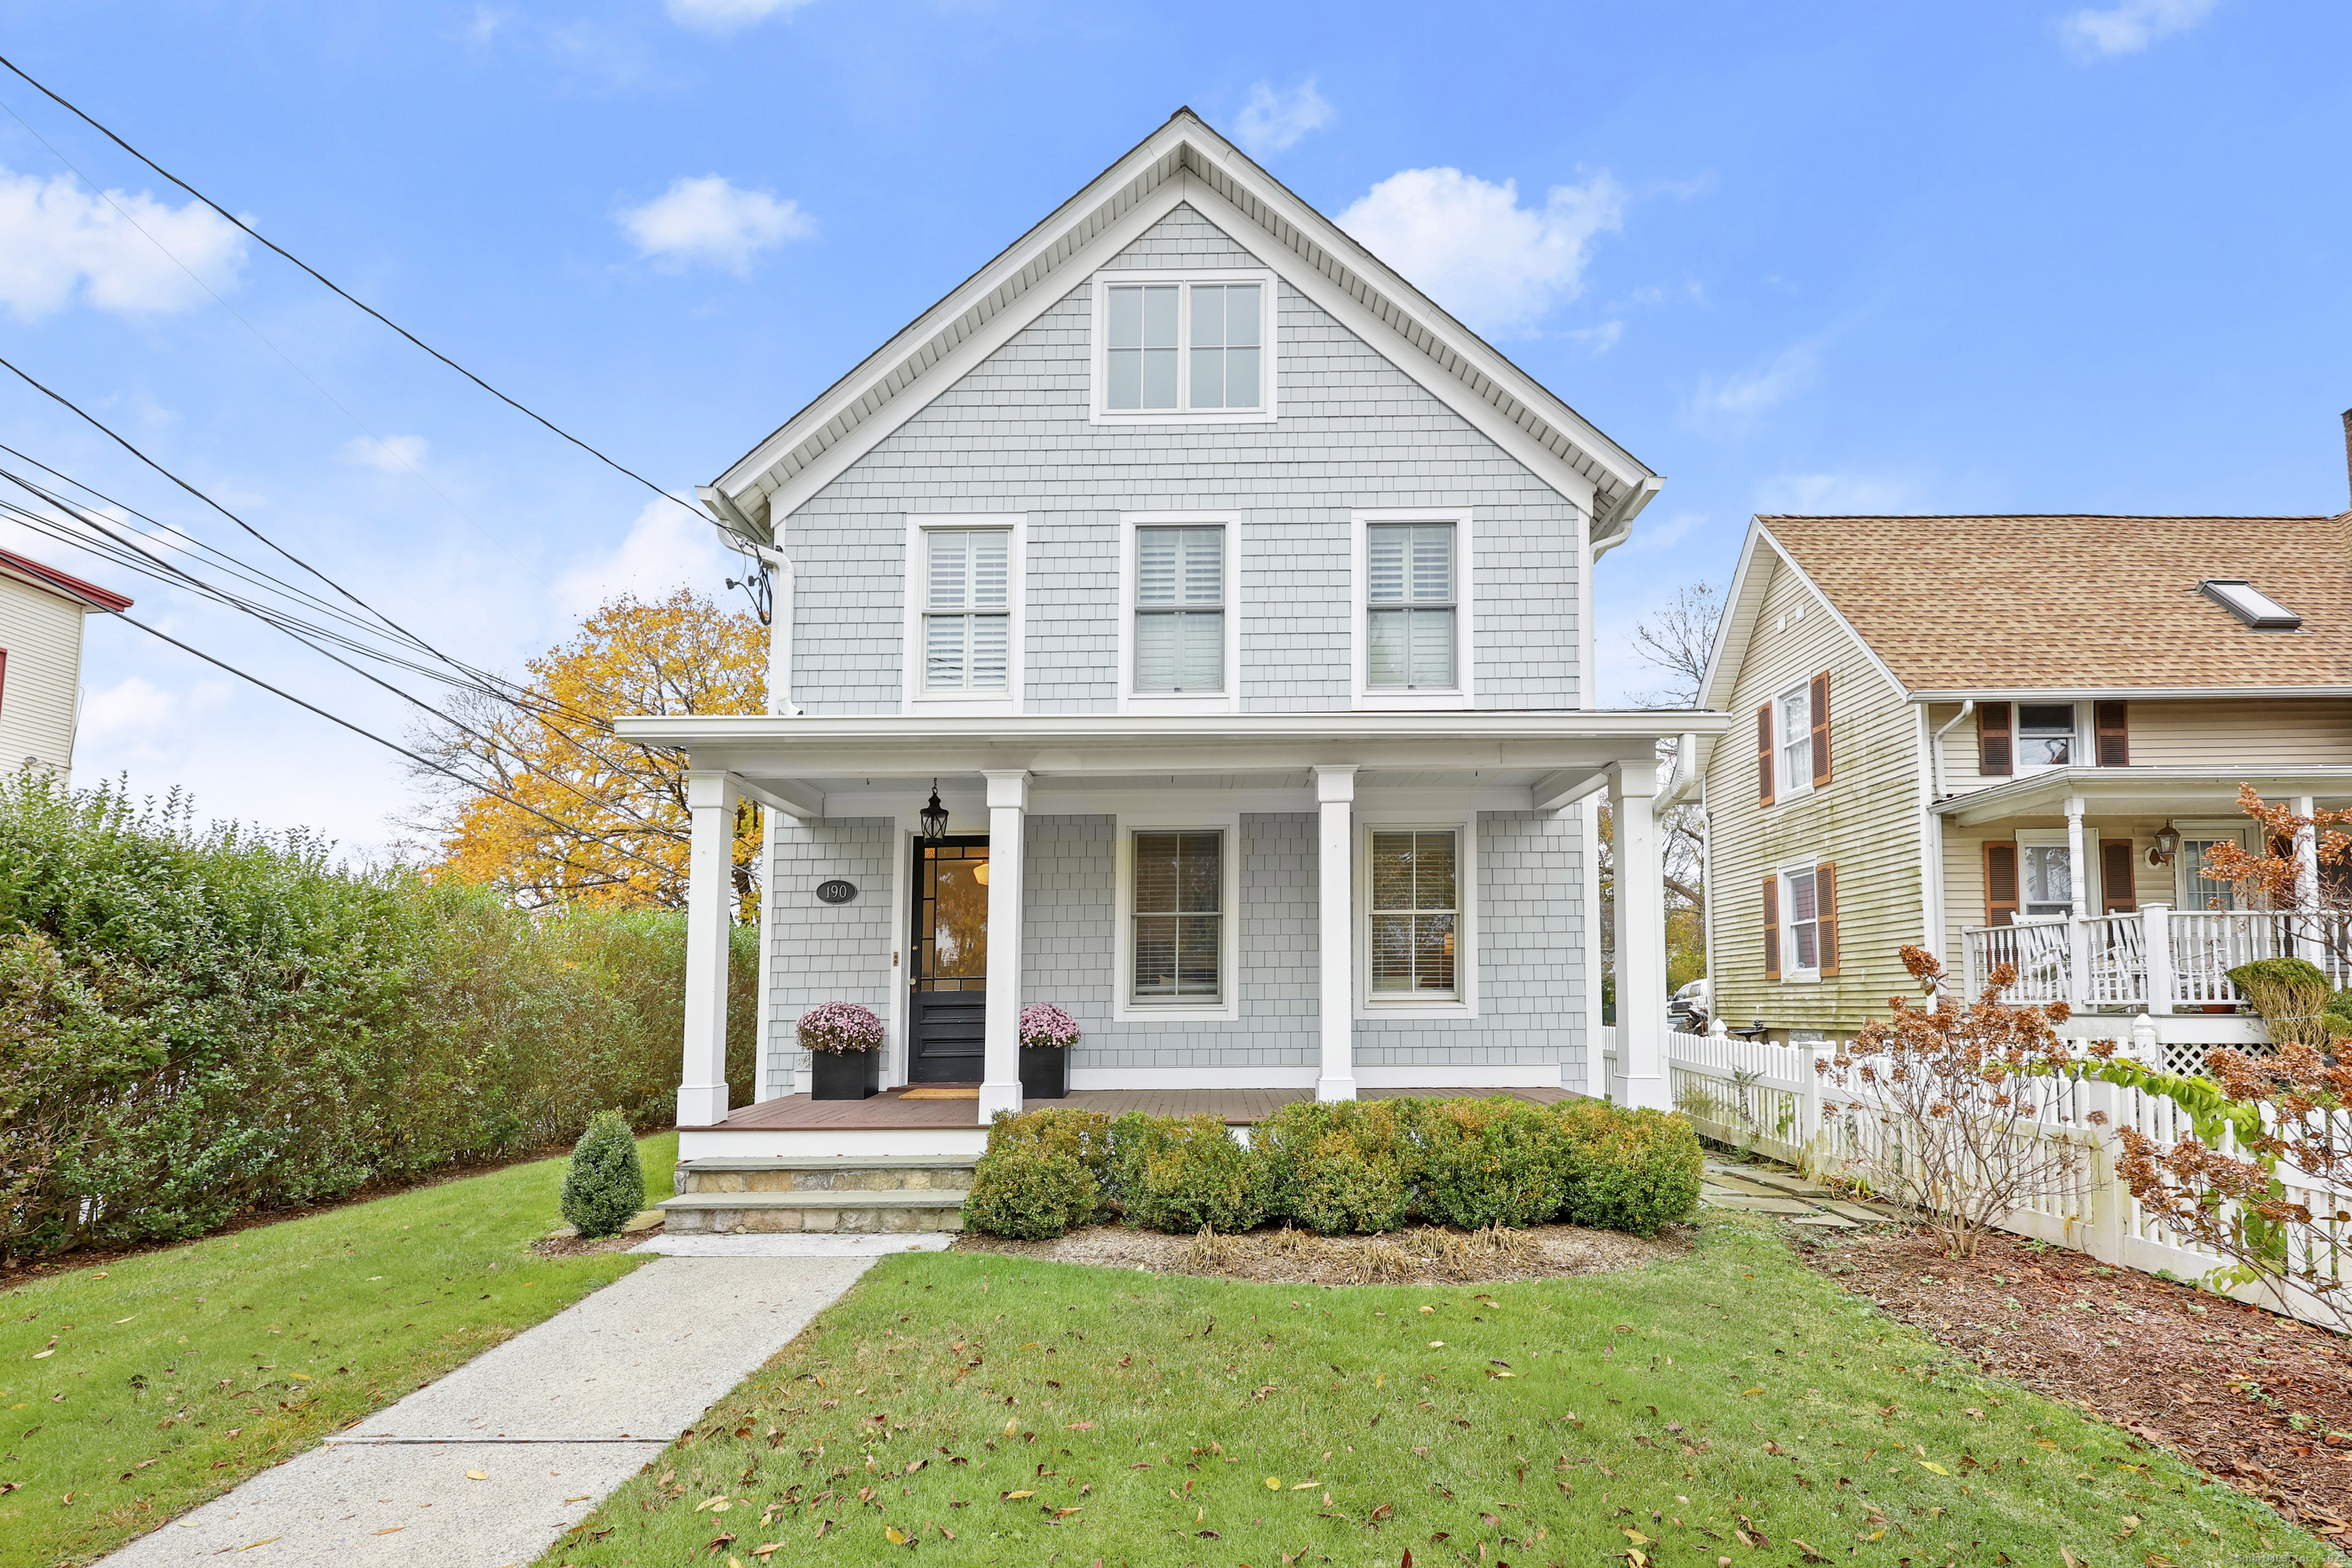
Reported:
(1416, 908)
(1800, 896)
(967, 609)
(1795, 736)
(1177, 940)
(1410, 610)
(1179, 609)
(2045, 735)
(1174, 347)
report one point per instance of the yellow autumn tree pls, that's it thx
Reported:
(568, 813)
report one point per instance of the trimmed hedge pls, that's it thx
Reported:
(1353, 1166)
(197, 1022)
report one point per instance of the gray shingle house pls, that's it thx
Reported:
(1236, 601)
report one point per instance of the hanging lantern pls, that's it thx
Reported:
(935, 817)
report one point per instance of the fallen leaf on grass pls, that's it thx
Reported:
(1925, 1464)
(894, 1535)
(1013, 1497)
(1811, 1555)
(1746, 1391)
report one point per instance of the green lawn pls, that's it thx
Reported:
(134, 1392)
(989, 1409)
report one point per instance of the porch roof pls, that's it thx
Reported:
(2141, 791)
(1555, 756)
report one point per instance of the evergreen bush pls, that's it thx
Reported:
(604, 1187)
(1029, 1190)
(1489, 1161)
(1346, 1166)
(2291, 994)
(1179, 1174)
(1635, 1171)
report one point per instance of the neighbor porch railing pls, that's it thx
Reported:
(2157, 958)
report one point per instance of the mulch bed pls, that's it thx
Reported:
(581, 1246)
(1425, 1255)
(2260, 1402)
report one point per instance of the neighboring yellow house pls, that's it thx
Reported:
(2011, 739)
(41, 611)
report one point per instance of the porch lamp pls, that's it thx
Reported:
(2165, 845)
(935, 817)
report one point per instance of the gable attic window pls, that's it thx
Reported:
(1183, 347)
(2257, 609)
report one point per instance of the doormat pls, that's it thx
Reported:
(940, 1091)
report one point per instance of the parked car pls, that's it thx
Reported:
(1687, 1009)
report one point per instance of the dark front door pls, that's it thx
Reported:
(950, 974)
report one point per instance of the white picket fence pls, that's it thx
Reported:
(1769, 1099)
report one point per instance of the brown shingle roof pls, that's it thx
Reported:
(2073, 603)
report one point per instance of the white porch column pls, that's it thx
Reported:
(1008, 817)
(1641, 940)
(2311, 942)
(2078, 897)
(1335, 863)
(710, 863)
(2155, 944)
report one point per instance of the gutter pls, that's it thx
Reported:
(1685, 773)
(1935, 749)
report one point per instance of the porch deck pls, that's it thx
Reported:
(891, 1111)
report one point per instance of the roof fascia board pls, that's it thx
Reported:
(2045, 793)
(2127, 693)
(1639, 724)
(1741, 605)
(56, 587)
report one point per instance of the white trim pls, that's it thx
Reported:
(1124, 826)
(913, 698)
(1787, 788)
(1742, 607)
(2081, 748)
(2184, 866)
(1219, 1077)
(1371, 817)
(1465, 672)
(763, 1021)
(1133, 701)
(2094, 894)
(2121, 693)
(1791, 973)
(1098, 346)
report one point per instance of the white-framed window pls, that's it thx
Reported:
(1183, 347)
(1411, 590)
(965, 586)
(1415, 915)
(2194, 889)
(1801, 929)
(1180, 623)
(1177, 886)
(2047, 736)
(1792, 739)
(2045, 873)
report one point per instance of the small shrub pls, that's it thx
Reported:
(2291, 994)
(1179, 1174)
(1082, 1136)
(1341, 1167)
(840, 1026)
(604, 1187)
(1044, 1024)
(1635, 1170)
(1488, 1162)
(2337, 1015)
(1029, 1192)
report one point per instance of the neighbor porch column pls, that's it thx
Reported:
(2078, 901)
(1335, 870)
(710, 865)
(1008, 817)
(2311, 942)
(1641, 939)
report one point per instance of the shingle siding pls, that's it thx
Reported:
(827, 952)
(1014, 435)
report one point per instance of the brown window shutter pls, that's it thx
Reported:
(1995, 750)
(1771, 927)
(2116, 894)
(1825, 913)
(1764, 755)
(1821, 730)
(2000, 881)
(2112, 720)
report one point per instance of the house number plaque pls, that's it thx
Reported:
(835, 891)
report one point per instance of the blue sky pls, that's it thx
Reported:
(2005, 257)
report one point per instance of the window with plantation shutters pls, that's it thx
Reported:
(1179, 609)
(1415, 913)
(1178, 936)
(1409, 606)
(967, 609)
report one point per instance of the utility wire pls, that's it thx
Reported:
(330, 283)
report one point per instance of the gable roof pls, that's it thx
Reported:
(1182, 160)
(24, 569)
(1995, 605)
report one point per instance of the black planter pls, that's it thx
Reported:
(845, 1075)
(1044, 1072)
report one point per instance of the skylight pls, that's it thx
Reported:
(2250, 604)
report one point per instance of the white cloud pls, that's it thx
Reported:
(1272, 120)
(1736, 401)
(710, 220)
(726, 15)
(1600, 339)
(667, 547)
(56, 240)
(394, 454)
(2131, 26)
(1471, 247)
(1659, 536)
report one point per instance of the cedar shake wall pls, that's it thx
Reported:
(1866, 821)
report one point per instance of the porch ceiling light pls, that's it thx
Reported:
(935, 817)
(2165, 845)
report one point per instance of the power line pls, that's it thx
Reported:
(330, 283)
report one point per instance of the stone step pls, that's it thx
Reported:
(877, 1174)
(938, 1208)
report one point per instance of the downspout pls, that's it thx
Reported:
(1685, 773)
(1936, 748)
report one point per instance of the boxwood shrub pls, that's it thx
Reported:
(1633, 1171)
(1029, 1192)
(1343, 1167)
(1180, 1173)
(1489, 1161)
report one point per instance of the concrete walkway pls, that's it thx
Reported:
(489, 1466)
(1796, 1198)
